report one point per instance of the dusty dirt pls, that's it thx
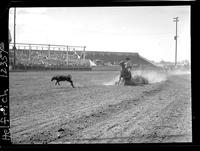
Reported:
(41, 112)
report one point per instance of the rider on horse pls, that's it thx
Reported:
(127, 77)
(126, 70)
(128, 64)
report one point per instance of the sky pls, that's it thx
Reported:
(148, 31)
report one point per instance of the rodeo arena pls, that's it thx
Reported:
(62, 94)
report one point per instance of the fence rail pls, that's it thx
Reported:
(30, 46)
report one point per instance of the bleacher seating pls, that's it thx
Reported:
(115, 57)
(58, 59)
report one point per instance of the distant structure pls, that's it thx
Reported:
(46, 56)
(55, 57)
(113, 58)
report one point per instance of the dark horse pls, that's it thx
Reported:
(128, 79)
(125, 74)
(59, 78)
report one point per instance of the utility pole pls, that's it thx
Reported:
(84, 52)
(14, 47)
(175, 38)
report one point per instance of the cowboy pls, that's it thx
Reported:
(125, 73)
(128, 64)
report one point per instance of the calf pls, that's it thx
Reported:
(59, 78)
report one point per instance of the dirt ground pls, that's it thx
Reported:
(93, 112)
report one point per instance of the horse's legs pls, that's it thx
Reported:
(123, 80)
(57, 82)
(71, 82)
(119, 79)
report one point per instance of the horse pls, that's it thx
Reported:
(125, 73)
(128, 79)
(59, 78)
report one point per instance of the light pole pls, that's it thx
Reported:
(175, 38)
(14, 46)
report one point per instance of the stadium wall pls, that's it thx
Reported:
(56, 60)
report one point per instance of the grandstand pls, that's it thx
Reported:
(113, 58)
(40, 56)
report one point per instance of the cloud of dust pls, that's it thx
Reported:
(151, 76)
(179, 72)
(113, 81)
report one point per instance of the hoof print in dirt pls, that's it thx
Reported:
(61, 130)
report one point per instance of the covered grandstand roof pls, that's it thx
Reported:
(117, 57)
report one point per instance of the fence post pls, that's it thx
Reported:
(67, 56)
(84, 52)
(49, 55)
(29, 54)
(15, 55)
